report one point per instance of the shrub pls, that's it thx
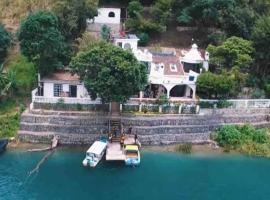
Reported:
(25, 75)
(267, 90)
(229, 135)
(105, 32)
(144, 39)
(184, 148)
(162, 100)
(223, 104)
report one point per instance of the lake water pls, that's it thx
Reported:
(160, 176)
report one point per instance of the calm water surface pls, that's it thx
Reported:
(160, 176)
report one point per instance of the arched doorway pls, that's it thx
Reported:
(178, 91)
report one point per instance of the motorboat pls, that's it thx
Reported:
(132, 153)
(95, 153)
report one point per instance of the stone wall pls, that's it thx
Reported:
(85, 127)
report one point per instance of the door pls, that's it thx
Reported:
(73, 91)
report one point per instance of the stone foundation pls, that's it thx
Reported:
(86, 127)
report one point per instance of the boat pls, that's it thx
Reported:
(132, 153)
(95, 153)
(3, 145)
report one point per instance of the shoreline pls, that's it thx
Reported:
(196, 148)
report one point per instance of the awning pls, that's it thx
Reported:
(131, 148)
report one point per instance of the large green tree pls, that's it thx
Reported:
(72, 15)
(234, 52)
(215, 86)
(261, 41)
(42, 42)
(110, 72)
(5, 41)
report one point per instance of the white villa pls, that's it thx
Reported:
(171, 72)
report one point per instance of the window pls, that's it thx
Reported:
(156, 67)
(57, 90)
(173, 67)
(111, 14)
(73, 91)
(119, 44)
(127, 46)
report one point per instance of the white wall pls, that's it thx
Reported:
(103, 16)
(48, 90)
(133, 43)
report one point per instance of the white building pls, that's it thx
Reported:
(110, 17)
(171, 72)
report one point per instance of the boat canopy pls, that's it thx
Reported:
(131, 148)
(97, 148)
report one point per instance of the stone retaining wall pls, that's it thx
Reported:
(85, 127)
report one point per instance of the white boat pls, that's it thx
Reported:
(95, 153)
(132, 153)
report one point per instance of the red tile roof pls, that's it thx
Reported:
(62, 75)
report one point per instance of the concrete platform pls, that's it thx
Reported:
(114, 152)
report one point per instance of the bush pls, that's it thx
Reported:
(267, 90)
(162, 100)
(246, 139)
(229, 135)
(144, 39)
(25, 75)
(184, 148)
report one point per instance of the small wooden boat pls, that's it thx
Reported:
(95, 153)
(3, 145)
(132, 153)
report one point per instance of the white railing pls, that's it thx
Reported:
(244, 103)
(67, 100)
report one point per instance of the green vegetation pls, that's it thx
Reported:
(72, 15)
(41, 41)
(184, 148)
(9, 117)
(245, 139)
(217, 86)
(5, 42)
(25, 76)
(105, 32)
(111, 72)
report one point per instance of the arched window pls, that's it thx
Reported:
(111, 14)
(127, 46)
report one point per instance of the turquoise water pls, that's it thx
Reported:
(160, 176)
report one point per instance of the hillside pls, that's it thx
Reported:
(12, 12)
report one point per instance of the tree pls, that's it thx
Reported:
(105, 32)
(42, 42)
(206, 13)
(110, 72)
(5, 41)
(72, 15)
(261, 41)
(234, 52)
(211, 85)
(134, 9)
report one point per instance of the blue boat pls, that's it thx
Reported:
(3, 145)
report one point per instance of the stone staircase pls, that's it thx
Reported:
(85, 127)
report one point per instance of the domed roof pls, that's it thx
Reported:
(193, 56)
